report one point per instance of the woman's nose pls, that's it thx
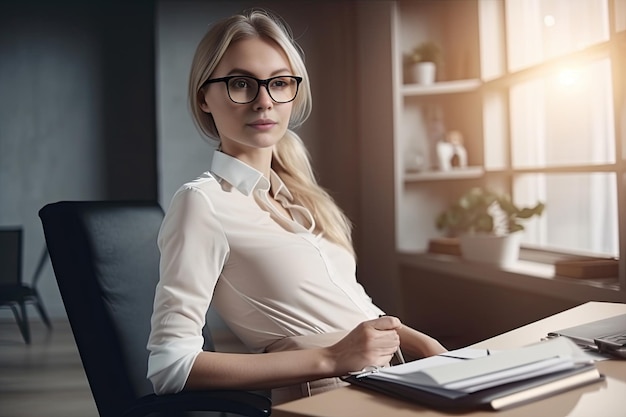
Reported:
(263, 99)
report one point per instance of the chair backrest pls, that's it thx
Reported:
(41, 263)
(105, 259)
(10, 256)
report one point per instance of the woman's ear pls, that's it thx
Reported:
(202, 101)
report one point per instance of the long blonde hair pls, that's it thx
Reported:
(291, 160)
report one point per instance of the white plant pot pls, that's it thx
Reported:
(496, 250)
(424, 73)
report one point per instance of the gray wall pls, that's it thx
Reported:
(93, 106)
(77, 113)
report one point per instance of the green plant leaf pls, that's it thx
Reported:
(472, 213)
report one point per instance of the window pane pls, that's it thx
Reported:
(564, 119)
(541, 29)
(620, 15)
(580, 215)
(495, 130)
(491, 31)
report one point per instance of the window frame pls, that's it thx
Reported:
(501, 83)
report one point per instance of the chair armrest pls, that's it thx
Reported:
(245, 403)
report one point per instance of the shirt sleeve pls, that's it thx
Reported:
(193, 251)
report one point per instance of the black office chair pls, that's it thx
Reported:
(14, 292)
(105, 259)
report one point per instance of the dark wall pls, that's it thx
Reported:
(128, 80)
(77, 111)
(459, 312)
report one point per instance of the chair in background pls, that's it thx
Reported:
(105, 258)
(13, 292)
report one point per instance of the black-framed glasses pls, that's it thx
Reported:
(243, 89)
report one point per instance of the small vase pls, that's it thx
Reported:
(496, 250)
(424, 73)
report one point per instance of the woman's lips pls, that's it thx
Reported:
(263, 124)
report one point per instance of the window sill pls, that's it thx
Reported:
(532, 277)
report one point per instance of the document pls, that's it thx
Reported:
(473, 377)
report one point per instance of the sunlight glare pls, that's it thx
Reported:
(568, 77)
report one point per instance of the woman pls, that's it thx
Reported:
(258, 239)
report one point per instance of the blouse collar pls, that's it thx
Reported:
(245, 178)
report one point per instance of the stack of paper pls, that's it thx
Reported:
(474, 377)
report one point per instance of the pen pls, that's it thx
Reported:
(399, 356)
(449, 355)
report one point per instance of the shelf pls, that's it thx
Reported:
(444, 87)
(523, 275)
(454, 174)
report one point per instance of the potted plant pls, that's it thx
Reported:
(488, 225)
(424, 60)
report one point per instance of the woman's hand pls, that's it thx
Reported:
(372, 342)
(419, 344)
(432, 347)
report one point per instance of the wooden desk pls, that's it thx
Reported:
(604, 399)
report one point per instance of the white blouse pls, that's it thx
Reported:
(268, 276)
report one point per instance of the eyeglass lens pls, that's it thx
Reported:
(245, 89)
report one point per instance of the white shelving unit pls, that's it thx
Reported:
(425, 114)
(443, 87)
(399, 206)
(454, 174)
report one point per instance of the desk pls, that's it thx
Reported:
(603, 399)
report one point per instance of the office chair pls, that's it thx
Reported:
(13, 292)
(106, 261)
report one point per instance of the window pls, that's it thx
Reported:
(554, 116)
(538, 30)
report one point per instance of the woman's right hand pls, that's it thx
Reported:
(372, 342)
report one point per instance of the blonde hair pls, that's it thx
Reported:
(291, 160)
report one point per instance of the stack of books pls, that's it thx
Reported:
(445, 245)
(478, 378)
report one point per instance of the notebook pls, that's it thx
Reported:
(607, 335)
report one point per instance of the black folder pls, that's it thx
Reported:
(495, 398)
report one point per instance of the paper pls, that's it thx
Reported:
(469, 370)
(453, 356)
(531, 370)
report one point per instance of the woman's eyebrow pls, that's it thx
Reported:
(240, 71)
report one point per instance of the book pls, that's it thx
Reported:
(470, 378)
(587, 268)
(445, 245)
